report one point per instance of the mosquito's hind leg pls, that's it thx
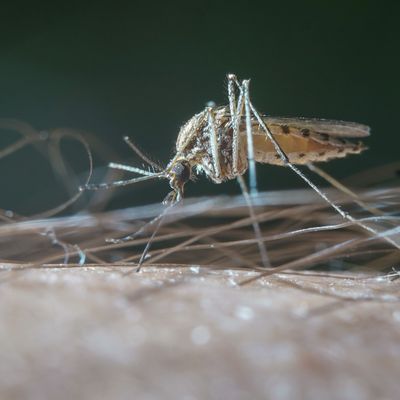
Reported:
(287, 163)
(250, 109)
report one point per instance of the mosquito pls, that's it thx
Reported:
(223, 142)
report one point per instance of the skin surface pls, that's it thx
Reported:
(192, 333)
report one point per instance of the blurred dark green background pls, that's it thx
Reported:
(143, 68)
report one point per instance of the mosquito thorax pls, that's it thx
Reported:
(179, 174)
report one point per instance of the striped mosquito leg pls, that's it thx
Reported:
(249, 135)
(232, 109)
(213, 142)
(236, 111)
(231, 94)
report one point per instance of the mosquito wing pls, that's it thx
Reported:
(325, 126)
(306, 140)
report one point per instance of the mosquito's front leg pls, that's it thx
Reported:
(212, 134)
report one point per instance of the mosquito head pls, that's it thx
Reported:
(179, 174)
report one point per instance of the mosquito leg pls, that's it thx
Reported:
(213, 142)
(344, 189)
(236, 114)
(356, 199)
(249, 135)
(159, 219)
(231, 94)
(137, 233)
(256, 226)
(236, 111)
(148, 245)
(233, 112)
(286, 161)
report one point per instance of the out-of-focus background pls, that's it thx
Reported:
(187, 326)
(144, 69)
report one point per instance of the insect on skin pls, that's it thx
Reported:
(224, 142)
(208, 144)
(215, 142)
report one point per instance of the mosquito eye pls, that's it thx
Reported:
(182, 172)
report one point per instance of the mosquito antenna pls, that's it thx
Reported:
(129, 142)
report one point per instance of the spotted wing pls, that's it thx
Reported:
(306, 140)
(327, 126)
